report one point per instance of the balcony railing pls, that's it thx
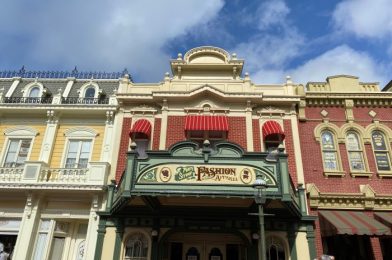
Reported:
(78, 100)
(29, 100)
(35, 172)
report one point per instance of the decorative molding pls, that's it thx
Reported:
(144, 110)
(109, 117)
(52, 119)
(366, 199)
(80, 132)
(21, 131)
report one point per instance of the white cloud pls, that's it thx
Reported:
(98, 34)
(272, 13)
(340, 60)
(364, 18)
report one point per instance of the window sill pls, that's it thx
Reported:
(334, 174)
(384, 174)
(361, 174)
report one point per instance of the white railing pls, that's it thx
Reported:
(71, 175)
(11, 174)
(35, 172)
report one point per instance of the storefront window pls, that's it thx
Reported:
(381, 151)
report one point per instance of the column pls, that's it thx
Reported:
(30, 221)
(100, 238)
(119, 236)
(311, 241)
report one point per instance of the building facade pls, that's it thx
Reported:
(57, 134)
(345, 130)
(191, 147)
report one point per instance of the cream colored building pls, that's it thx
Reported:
(56, 151)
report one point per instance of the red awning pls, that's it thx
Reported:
(272, 129)
(206, 123)
(350, 223)
(141, 126)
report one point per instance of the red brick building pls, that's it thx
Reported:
(345, 130)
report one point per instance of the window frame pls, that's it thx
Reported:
(18, 132)
(387, 151)
(80, 145)
(79, 134)
(17, 151)
(335, 150)
(361, 150)
(83, 89)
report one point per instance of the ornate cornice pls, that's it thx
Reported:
(366, 199)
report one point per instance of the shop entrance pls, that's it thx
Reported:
(205, 246)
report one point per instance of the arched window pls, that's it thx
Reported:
(34, 92)
(90, 92)
(330, 155)
(355, 152)
(381, 151)
(136, 247)
(275, 249)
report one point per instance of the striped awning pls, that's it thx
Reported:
(206, 123)
(272, 129)
(141, 126)
(384, 217)
(350, 223)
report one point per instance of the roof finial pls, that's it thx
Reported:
(179, 56)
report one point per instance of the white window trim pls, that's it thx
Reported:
(365, 171)
(27, 89)
(18, 132)
(78, 134)
(339, 171)
(84, 87)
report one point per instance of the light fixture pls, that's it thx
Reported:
(154, 233)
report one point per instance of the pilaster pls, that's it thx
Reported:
(108, 138)
(297, 147)
(67, 89)
(91, 238)
(162, 140)
(249, 127)
(30, 221)
(49, 137)
(119, 236)
(100, 238)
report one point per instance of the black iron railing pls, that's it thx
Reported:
(29, 100)
(78, 100)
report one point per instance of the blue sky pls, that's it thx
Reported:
(306, 39)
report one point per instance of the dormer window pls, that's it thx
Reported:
(34, 92)
(90, 92)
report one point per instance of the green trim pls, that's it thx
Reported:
(311, 241)
(100, 239)
(118, 241)
(291, 237)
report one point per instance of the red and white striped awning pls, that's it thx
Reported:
(206, 123)
(272, 129)
(141, 126)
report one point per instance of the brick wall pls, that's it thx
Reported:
(237, 131)
(256, 135)
(156, 134)
(312, 158)
(124, 144)
(175, 130)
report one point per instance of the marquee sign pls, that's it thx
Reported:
(203, 174)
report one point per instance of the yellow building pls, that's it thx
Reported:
(57, 131)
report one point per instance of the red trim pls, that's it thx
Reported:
(206, 123)
(345, 221)
(141, 126)
(271, 129)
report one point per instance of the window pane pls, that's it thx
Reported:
(327, 141)
(378, 141)
(17, 153)
(23, 152)
(40, 247)
(90, 92)
(352, 142)
(34, 92)
(330, 162)
(11, 154)
(57, 248)
(356, 161)
(382, 159)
